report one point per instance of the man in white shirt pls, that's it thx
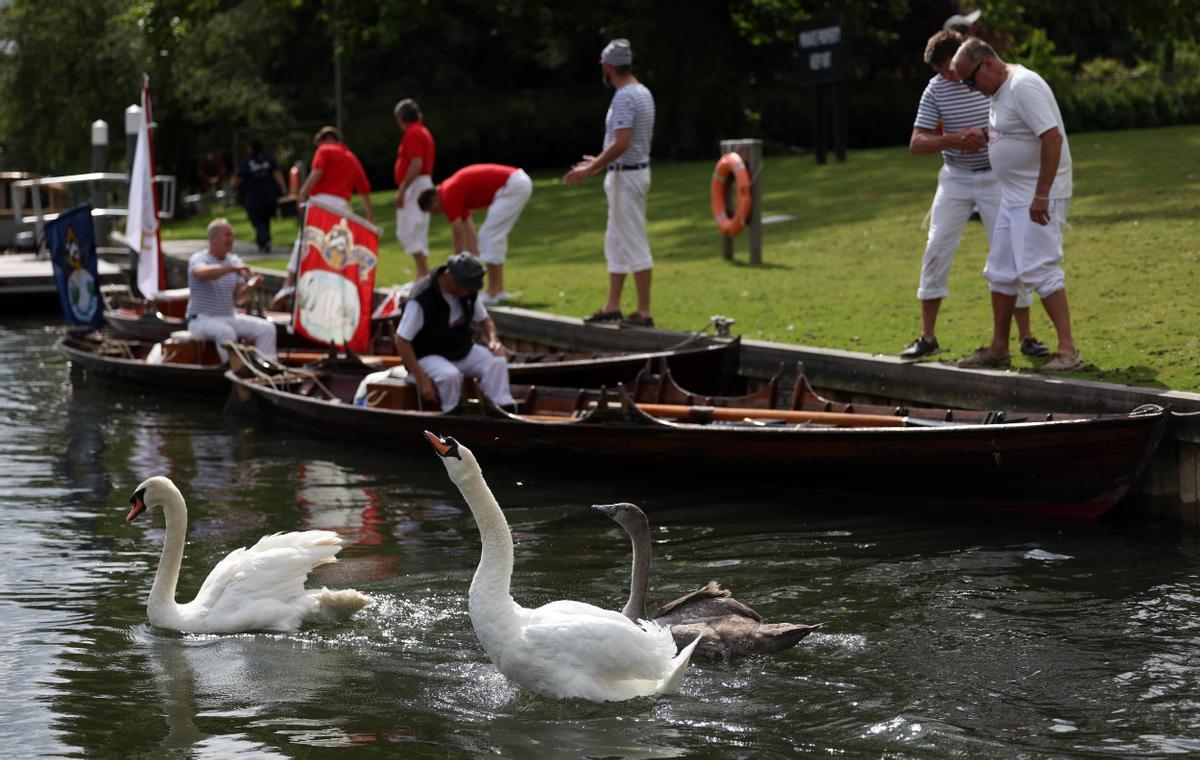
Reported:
(436, 336)
(1032, 161)
(965, 182)
(217, 280)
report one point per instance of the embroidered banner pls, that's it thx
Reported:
(336, 278)
(72, 243)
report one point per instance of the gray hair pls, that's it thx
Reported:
(407, 111)
(972, 51)
(216, 224)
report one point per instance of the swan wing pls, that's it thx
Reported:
(275, 568)
(587, 643)
(708, 601)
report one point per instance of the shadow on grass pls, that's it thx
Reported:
(1145, 377)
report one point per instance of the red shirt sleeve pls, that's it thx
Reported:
(454, 200)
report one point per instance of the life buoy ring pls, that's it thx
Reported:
(731, 222)
(210, 169)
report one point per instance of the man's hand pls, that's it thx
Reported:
(429, 392)
(1039, 211)
(971, 139)
(496, 347)
(579, 172)
(254, 281)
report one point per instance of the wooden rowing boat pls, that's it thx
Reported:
(1066, 465)
(183, 364)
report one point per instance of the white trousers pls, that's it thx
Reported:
(491, 370)
(335, 201)
(1027, 254)
(626, 247)
(412, 224)
(959, 192)
(258, 331)
(507, 204)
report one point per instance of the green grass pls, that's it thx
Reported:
(843, 274)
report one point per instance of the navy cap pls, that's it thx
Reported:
(466, 270)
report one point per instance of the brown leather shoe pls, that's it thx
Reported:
(983, 358)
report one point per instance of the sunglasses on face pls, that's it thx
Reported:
(970, 81)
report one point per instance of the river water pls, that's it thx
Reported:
(985, 638)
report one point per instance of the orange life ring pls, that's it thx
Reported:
(731, 222)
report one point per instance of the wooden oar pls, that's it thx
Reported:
(737, 414)
(306, 356)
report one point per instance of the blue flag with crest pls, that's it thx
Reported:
(72, 243)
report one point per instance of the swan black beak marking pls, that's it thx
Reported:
(610, 510)
(138, 500)
(445, 447)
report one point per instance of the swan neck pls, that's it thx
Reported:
(493, 576)
(639, 536)
(165, 580)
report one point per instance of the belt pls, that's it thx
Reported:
(628, 167)
(982, 169)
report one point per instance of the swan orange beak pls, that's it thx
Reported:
(139, 506)
(439, 444)
(445, 446)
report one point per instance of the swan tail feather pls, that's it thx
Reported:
(679, 665)
(342, 603)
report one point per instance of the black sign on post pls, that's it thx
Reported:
(822, 54)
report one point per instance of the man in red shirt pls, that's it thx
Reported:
(336, 174)
(503, 191)
(414, 165)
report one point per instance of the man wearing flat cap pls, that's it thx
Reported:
(625, 161)
(436, 336)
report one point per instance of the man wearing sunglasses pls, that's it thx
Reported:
(965, 182)
(1032, 161)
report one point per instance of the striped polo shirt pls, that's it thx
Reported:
(956, 107)
(632, 107)
(213, 298)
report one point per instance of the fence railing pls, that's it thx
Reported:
(110, 188)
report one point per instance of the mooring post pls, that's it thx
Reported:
(751, 153)
(133, 120)
(99, 164)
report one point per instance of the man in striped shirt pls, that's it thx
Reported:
(217, 279)
(625, 160)
(965, 182)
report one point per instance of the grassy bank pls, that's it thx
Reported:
(843, 273)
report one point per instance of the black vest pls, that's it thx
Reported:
(436, 336)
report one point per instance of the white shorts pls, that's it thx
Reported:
(412, 224)
(1025, 253)
(507, 204)
(626, 248)
(491, 370)
(960, 191)
(258, 331)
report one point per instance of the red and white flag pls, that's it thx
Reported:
(336, 278)
(141, 227)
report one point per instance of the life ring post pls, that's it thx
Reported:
(750, 152)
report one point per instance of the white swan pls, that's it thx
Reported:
(564, 648)
(255, 589)
(726, 626)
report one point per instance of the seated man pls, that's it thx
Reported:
(503, 191)
(217, 281)
(435, 338)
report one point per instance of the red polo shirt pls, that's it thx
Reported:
(341, 173)
(417, 143)
(472, 187)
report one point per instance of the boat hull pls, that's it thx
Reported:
(1074, 468)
